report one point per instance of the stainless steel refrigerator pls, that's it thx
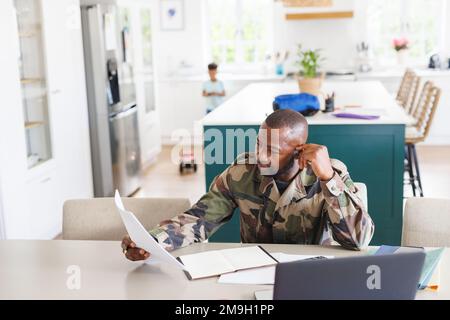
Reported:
(113, 120)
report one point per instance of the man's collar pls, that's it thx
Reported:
(268, 187)
(295, 190)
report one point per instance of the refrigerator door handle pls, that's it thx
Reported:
(122, 114)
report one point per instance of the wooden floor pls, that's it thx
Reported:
(163, 178)
(434, 163)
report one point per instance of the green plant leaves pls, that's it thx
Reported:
(309, 61)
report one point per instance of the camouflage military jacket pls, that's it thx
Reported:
(309, 211)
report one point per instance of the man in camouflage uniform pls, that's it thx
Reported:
(287, 192)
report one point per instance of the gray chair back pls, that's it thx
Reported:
(98, 219)
(426, 223)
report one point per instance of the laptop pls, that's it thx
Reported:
(390, 276)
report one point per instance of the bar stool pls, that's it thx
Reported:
(423, 111)
(407, 92)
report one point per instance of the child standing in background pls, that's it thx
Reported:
(213, 89)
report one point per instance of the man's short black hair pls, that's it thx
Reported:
(286, 118)
(212, 66)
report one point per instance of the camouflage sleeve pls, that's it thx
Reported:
(199, 222)
(350, 222)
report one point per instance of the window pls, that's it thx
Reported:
(240, 31)
(419, 21)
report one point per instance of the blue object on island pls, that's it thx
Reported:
(355, 116)
(305, 103)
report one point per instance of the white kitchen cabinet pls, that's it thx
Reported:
(67, 90)
(42, 218)
(45, 152)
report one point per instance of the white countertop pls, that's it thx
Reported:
(253, 104)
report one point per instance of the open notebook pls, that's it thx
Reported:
(198, 265)
(218, 262)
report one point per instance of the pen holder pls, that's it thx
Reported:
(329, 104)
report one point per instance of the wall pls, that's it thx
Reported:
(176, 49)
(179, 53)
(336, 37)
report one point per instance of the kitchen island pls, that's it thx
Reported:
(373, 150)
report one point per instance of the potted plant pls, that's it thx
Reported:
(401, 45)
(309, 80)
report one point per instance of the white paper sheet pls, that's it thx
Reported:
(265, 275)
(248, 257)
(142, 238)
(206, 264)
